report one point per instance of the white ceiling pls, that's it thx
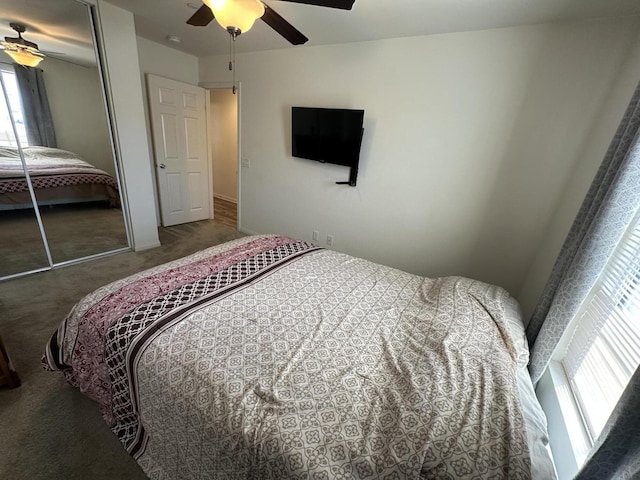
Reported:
(369, 20)
(61, 25)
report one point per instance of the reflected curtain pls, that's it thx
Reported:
(35, 106)
(609, 207)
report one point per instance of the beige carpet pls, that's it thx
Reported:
(49, 430)
(73, 231)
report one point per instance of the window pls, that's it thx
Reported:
(7, 136)
(603, 351)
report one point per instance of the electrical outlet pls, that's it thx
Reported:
(316, 235)
(329, 240)
(246, 163)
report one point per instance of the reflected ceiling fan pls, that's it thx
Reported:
(20, 50)
(238, 16)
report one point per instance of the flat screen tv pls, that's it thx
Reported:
(328, 135)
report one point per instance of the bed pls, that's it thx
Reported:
(58, 177)
(270, 357)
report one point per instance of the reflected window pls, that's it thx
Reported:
(7, 137)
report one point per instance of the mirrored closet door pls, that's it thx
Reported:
(21, 246)
(60, 200)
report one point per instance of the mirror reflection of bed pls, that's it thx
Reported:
(79, 204)
(72, 170)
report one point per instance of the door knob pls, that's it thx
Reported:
(162, 165)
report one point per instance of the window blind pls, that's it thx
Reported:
(604, 351)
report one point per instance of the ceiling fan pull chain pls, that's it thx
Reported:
(234, 66)
(230, 53)
(232, 58)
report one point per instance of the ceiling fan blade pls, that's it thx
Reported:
(21, 41)
(341, 4)
(284, 28)
(202, 17)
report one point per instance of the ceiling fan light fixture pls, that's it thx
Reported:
(23, 55)
(236, 15)
(20, 50)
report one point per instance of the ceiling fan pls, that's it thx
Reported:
(20, 50)
(205, 14)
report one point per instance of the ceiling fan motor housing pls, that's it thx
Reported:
(20, 29)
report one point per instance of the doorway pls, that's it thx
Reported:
(223, 144)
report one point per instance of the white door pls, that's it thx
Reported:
(179, 128)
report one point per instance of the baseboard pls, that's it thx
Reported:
(224, 197)
(141, 248)
(247, 231)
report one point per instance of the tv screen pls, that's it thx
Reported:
(327, 134)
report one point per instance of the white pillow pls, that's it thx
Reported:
(513, 314)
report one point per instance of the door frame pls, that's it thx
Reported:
(208, 86)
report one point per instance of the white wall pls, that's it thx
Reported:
(469, 141)
(165, 62)
(117, 32)
(223, 137)
(77, 107)
(586, 164)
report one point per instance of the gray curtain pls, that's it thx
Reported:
(35, 106)
(607, 211)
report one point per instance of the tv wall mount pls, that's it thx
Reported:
(353, 177)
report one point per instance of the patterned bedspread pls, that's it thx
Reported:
(50, 168)
(269, 357)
